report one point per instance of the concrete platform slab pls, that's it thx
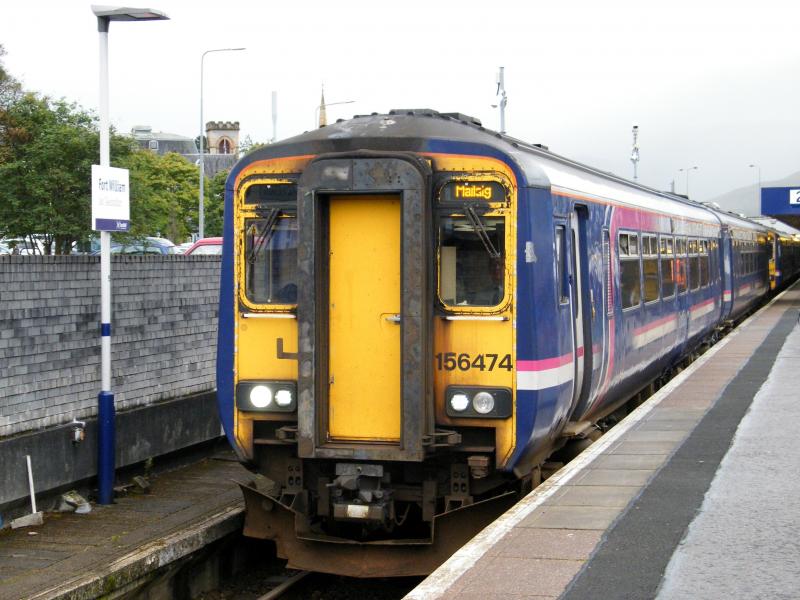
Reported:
(617, 513)
(86, 556)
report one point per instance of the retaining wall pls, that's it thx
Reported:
(164, 321)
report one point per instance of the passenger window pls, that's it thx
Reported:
(703, 263)
(694, 266)
(629, 270)
(562, 275)
(471, 260)
(680, 264)
(667, 268)
(270, 248)
(650, 266)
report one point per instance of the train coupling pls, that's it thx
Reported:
(359, 493)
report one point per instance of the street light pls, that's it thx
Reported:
(105, 408)
(327, 104)
(687, 169)
(758, 189)
(201, 208)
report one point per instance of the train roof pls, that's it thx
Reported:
(542, 168)
(782, 228)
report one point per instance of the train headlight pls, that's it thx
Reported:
(283, 398)
(483, 403)
(478, 402)
(266, 396)
(459, 402)
(260, 396)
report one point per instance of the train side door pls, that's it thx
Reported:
(580, 293)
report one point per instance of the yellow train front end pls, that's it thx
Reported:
(373, 354)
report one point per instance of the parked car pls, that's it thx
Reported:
(209, 245)
(146, 246)
(182, 248)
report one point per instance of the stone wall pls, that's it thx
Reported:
(164, 323)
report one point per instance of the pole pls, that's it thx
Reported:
(501, 89)
(758, 187)
(274, 117)
(635, 152)
(106, 428)
(201, 207)
(201, 204)
(318, 108)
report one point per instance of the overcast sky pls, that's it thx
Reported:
(711, 84)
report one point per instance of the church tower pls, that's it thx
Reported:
(222, 137)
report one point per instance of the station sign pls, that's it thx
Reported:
(777, 201)
(110, 199)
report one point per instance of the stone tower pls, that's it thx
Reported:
(222, 137)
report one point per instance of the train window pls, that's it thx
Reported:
(471, 260)
(650, 267)
(270, 249)
(694, 266)
(562, 275)
(667, 268)
(680, 264)
(703, 259)
(630, 286)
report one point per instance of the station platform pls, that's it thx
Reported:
(102, 553)
(693, 495)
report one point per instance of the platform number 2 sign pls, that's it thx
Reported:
(794, 197)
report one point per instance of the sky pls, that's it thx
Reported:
(710, 84)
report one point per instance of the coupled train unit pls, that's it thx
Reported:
(416, 312)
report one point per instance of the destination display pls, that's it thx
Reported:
(271, 193)
(460, 191)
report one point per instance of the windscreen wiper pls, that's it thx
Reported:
(264, 238)
(480, 231)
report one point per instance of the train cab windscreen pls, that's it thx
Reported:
(270, 243)
(270, 246)
(471, 243)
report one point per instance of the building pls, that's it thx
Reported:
(221, 153)
(223, 137)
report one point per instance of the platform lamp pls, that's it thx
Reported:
(758, 188)
(687, 169)
(106, 434)
(201, 220)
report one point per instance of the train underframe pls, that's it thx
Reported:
(362, 519)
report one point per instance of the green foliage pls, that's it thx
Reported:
(47, 149)
(215, 203)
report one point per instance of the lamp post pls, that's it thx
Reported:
(105, 409)
(758, 188)
(201, 206)
(327, 104)
(687, 169)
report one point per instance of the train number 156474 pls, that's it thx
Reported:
(450, 361)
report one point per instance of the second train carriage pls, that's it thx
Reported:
(416, 312)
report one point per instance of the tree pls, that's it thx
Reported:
(164, 191)
(215, 203)
(48, 148)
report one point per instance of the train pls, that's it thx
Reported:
(418, 313)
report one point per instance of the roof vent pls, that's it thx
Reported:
(414, 112)
(462, 117)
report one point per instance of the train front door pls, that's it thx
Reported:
(364, 358)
